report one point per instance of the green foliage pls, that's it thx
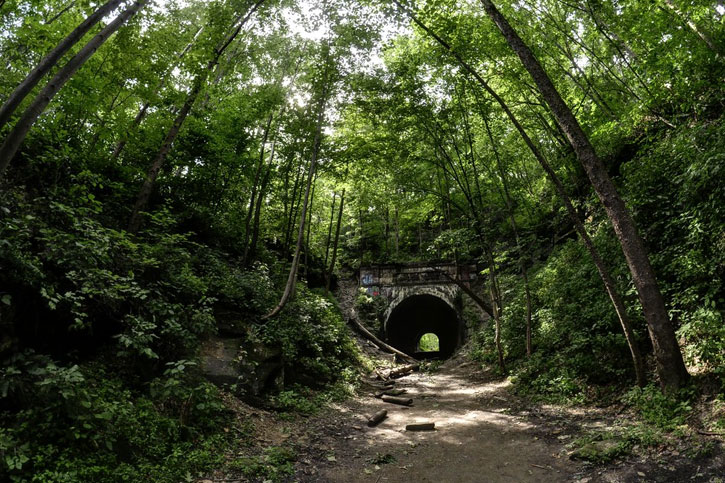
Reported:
(277, 464)
(97, 279)
(370, 310)
(432, 170)
(313, 337)
(382, 459)
(675, 184)
(428, 342)
(600, 447)
(662, 410)
(81, 423)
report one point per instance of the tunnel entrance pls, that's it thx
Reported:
(420, 315)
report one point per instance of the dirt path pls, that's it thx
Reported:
(483, 433)
(475, 438)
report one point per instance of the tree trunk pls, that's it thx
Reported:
(467, 290)
(258, 207)
(292, 278)
(598, 262)
(253, 196)
(496, 306)
(362, 235)
(670, 366)
(294, 207)
(387, 232)
(50, 60)
(329, 230)
(693, 26)
(146, 189)
(328, 278)
(382, 345)
(22, 127)
(309, 226)
(512, 218)
(397, 232)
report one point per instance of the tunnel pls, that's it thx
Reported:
(418, 315)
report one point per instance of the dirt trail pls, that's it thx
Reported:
(475, 439)
(484, 433)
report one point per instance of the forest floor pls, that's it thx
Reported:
(483, 433)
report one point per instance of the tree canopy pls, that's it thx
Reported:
(173, 169)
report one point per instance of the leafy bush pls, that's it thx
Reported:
(313, 337)
(70, 272)
(676, 192)
(370, 310)
(662, 410)
(81, 424)
(277, 464)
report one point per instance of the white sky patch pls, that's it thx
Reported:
(299, 24)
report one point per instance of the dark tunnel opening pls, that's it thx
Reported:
(421, 314)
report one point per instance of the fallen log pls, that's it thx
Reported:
(402, 371)
(420, 427)
(376, 418)
(403, 401)
(383, 346)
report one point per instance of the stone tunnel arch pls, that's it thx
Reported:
(421, 312)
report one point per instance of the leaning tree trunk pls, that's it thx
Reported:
(609, 284)
(670, 366)
(292, 278)
(147, 188)
(32, 113)
(50, 60)
(148, 185)
(693, 26)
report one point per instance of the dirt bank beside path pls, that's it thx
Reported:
(476, 438)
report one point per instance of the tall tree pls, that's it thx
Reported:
(292, 277)
(331, 270)
(670, 365)
(16, 137)
(606, 277)
(141, 114)
(52, 58)
(144, 193)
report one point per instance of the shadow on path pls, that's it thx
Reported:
(475, 440)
